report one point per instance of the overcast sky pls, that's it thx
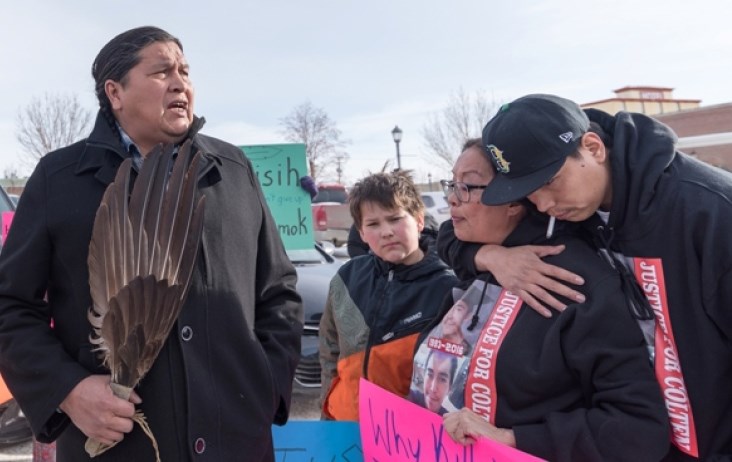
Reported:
(371, 64)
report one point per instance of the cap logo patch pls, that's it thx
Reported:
(502, 165)
(566, 137)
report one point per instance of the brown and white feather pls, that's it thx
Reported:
(141, 257)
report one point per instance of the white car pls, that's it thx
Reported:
(436, 204)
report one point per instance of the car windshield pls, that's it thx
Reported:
(331, 195)
(5, 204)
(306, 257)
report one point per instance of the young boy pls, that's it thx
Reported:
(378, 303)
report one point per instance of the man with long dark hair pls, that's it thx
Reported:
(225, 372)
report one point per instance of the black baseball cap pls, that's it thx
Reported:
(528, 141)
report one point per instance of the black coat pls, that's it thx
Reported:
(225, 373)
(577, 386)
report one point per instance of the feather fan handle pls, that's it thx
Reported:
(141, 257)
(94, 447)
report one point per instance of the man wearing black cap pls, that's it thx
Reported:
(656, 215)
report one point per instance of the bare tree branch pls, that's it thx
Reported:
(323, 140)
(50, 123)
(463, 118)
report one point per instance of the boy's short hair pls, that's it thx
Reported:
(390, 190)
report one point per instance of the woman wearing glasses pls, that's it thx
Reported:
(574, 386)
(519, 269)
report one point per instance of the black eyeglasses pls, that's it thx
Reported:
(461, 190)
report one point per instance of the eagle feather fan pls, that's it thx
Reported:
(141, 258)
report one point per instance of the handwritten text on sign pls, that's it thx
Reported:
(396, 430)
(315, 441)
(279, 168)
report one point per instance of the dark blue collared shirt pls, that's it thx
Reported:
(131, 148)
(137, 157)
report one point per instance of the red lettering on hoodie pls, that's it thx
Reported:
(649, 274)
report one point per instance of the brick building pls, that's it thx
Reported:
(704, 132)
(646, 100)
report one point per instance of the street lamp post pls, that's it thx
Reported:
(339, 170)
(397, 135)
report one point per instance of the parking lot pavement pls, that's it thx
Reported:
(304, 407)
(305, 404)
(17, 453)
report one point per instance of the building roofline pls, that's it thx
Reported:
(698, 109)
(641, 87)
(654, 100)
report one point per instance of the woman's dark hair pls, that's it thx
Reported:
(473, 143)
(121, 54)
(478, 143)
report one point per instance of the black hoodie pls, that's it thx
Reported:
(671, 217)
(574, 387)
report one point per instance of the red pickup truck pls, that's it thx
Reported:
(331, 214)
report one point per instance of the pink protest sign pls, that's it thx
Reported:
(396, 430)
(7, 219)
